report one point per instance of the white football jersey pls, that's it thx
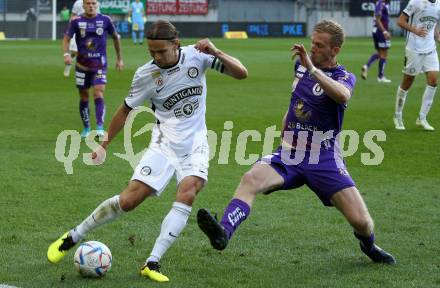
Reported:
(178, 98)
(422, 13)
(78, 8)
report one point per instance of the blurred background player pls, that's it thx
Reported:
(381, 38)
(420, 20)
(175, 84)
(137, 19)
(321, 90)
(65, 14)
(77, 10)
(90, 31)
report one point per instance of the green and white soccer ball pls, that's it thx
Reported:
(92, 259)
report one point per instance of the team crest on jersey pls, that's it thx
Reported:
(146, 170)
(187, 109)
(193, 72)
(99, 31)
(317, 90)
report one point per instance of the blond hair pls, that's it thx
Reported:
(332, 28)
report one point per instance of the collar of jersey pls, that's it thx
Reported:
(171, 66)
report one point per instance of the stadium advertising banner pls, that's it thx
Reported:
(186, 7)
(366, 7)
(116, 6)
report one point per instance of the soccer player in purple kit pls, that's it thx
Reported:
(90, 30)
(320, 92)
(382, 41)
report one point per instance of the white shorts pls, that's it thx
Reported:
(72, 45)
(416, 63)
(159, 164)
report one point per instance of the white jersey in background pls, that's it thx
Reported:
(178, 97)
(78, 8)
(422, 13)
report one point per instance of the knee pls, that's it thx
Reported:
(363, 223)
(188, 191)
(127, 203)
(252, 180)
(432, 82)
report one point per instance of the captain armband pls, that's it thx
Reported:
(218, 65)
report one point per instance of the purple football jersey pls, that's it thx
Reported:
(312, 111)
(91, 39)
(382, 10)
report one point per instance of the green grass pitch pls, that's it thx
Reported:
(290, 239)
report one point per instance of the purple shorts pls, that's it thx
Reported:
(86, 79)
(380, 42)
(325, 178)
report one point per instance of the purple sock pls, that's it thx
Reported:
(84, 113)
(367, 241)
(372, 59)
(99, 111)
(382, 63)
(236, 212)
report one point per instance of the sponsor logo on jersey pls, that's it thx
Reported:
(193, 72)
(146, 170)
(317, 90)
(99, 23)
(299, 111)
(158, 81)
(182, 94)
(99, 31)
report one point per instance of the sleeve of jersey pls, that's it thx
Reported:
(70, 29)
(110, 27)
(138, 91)
(378, 9)
(76, 9)
(216, 64)
(347, 79)
(410, 8)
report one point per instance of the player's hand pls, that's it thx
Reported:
(300, 50)
(421, 31)
(386, 35)
(119, 65)
(207, 47)
(98, 156)
(67, 59)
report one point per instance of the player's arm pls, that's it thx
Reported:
(117, 44)
(116, 124)
(66, 53)
(334, 89)
(379, 25)
(403, 23)
(232, 66)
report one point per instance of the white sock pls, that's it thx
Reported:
(171, 227)
(107, 211)
(400, 101)
(428, 98)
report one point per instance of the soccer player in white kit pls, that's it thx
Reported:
(420, 19)
(174, 83)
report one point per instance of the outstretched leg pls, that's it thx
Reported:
(261, 178)
(352, 206)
